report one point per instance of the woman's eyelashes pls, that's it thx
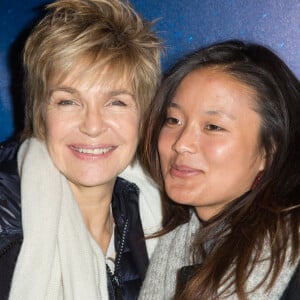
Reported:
(213, 127)
(172, 121)
(117, 102)
(63, 99)
(66, 102)
(173, 117)
(123, 101)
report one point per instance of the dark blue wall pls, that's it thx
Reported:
(184, 25)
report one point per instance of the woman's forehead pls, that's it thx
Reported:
(103, 77)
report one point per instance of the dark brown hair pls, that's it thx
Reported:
(267, 215)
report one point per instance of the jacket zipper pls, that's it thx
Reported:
(115, 278)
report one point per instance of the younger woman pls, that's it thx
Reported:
(223, 141)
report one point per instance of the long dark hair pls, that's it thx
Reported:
(269, 213)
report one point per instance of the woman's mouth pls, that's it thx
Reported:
(184, 171)
(95, 151)
(92, 152)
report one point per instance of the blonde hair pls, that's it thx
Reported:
(100, 32)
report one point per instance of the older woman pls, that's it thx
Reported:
(91, 70)
(223, 140)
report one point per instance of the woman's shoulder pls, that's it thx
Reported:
(8, 151)
(182, 235)
(10, 202)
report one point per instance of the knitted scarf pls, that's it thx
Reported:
(173, 252)
(58, 259)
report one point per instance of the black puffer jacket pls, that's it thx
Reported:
(132, 259)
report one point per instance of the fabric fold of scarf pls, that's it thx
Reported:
(58, 258)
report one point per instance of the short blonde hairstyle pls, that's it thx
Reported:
(100, 32)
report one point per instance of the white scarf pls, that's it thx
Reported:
(58, 258)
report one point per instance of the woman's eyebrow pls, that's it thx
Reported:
(111, 93)
(174, 105)
(120, 92)
(64, 89)
(218, 112)
(210, 112)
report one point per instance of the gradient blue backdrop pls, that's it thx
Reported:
(183, 24)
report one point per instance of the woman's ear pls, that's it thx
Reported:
(267, 158)
(263, 162)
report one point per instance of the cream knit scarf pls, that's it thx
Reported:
(58, 258)
(173, 252)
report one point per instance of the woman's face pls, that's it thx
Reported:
(208, 145)
(91, 129)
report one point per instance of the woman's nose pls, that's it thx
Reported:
(93, 123)
(187, 141)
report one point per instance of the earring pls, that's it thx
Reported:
(257, 180)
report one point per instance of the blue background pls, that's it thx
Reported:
(184, 25)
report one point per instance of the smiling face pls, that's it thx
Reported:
(209, 144)
(91, 129)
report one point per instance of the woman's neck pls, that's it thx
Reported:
(94, 204)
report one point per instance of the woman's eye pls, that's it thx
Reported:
(212, 127)
(66, 102)
(172, 121)
(118, 103)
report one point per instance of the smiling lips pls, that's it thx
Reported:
(184, 171)
(94, 151)
(91, 151)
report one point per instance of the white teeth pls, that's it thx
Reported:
(94, 151)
